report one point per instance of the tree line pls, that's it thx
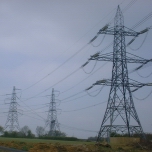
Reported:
(26, 132)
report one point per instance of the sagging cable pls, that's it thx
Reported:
(101, 30)
(99, 43)
(95, 94)
(144, 76)
(92, 68)
(144, 97)
(143, 64)
(141, 43)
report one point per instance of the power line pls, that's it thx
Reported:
(57, 67)
(143, 20)
(85, 78)
(32, 117)
(62, 80)
(129, 5)
(68, 49)
(78, 129)
(140, 45)
(144, 76)
(97, 93)
(79, 97)
(91, 70)
(31, 109)
(84, 107)
(144, 97)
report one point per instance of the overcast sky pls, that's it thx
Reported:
(43, 44)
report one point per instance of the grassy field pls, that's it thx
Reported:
(39, 145)
(4, 139)
(43, 145)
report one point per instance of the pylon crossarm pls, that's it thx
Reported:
(127, 59)
(108, 82)
(102, 57)
(114, 31)
(138, 86)
(147, 61)
(133, 60)
(126, 31)
(130, 58)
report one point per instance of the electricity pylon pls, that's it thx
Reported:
(52, 121)
(120, 116)
(12, 118)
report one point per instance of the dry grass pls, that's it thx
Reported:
(36, 145)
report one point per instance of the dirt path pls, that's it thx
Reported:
(5, 149)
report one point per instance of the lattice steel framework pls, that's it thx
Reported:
(52, 121)
(12, 118)
(120, 115)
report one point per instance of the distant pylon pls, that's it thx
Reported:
(52, 121)
(120, 116)
(12, 118)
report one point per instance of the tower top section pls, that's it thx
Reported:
(119, 19)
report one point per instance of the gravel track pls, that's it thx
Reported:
(5, 149)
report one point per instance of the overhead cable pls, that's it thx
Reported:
(78, 129)
(32, 109)
(140, 45)
(97, 93)
(85, 78)
(144, 97)
(57, 67)
(84, 107)
(143, 20)
(129, 5)
(91, 69)
(144, 76)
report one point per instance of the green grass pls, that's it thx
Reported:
(4, 139)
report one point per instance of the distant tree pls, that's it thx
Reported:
(92, 138)
(6, 134)
(24, 131)
(59, 134)
(1, 130)
(40, 131)
(14, 134)
(30, 134)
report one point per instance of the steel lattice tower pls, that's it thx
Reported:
(12, 118)
(120, 115)
(52, 121)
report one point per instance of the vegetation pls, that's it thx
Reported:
(40, 131)
(27, 141)
(25, 132)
